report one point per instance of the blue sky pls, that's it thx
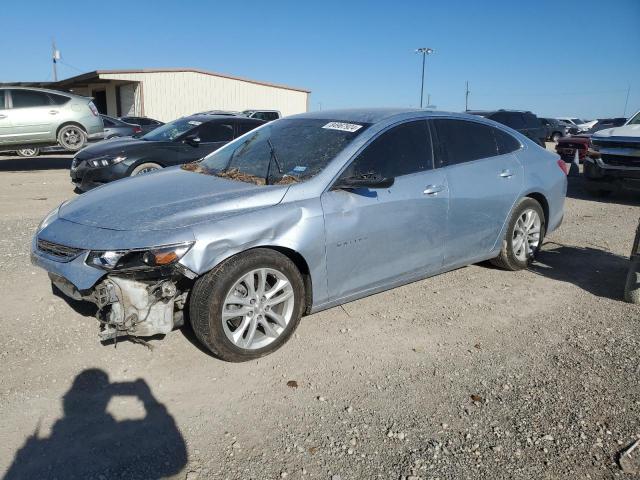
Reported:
(559, 57)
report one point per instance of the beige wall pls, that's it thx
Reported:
(170, 95)
(110, 89)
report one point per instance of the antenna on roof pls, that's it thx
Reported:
(55, 56)
(466, 98)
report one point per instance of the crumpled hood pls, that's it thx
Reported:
(624, 131)
(167, 199)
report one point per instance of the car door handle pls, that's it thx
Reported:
(433, 189)
(506, 174)
(53, 112)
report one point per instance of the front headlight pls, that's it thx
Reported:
(106, 161)
(139, 259)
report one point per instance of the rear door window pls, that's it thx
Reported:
(29, 98)
(58, 99)
(215, 132)
(462, 141)
(402, 150)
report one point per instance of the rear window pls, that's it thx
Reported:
(462, 141)
(29, 98)
(58, 99)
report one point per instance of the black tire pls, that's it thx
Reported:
(208, 296)
(28, 152)
(507, 259)
(145, 168)
(72, 138)
(596, 190)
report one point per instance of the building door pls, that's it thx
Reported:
(100, 100)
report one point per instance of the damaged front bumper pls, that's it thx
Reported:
(140, 304)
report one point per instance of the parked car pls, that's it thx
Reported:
(300, 215)
(605, 123)
(145, 123)
(567, 147)
(614, 161)
(34, 117)
(572, 129)
(524, 122)
(578, 123)
(554, 129)
(174, 143)
(266, 115)
(114, 128)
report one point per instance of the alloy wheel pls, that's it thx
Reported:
(72, 137)
(258, 308)
(526, 235)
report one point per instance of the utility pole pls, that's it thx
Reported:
(466, 98)
(626, 101)
(424, 51)
(55, 55)
(428, 99)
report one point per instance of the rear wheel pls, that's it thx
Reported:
(248, 306)
(72, 138)
(28, 152)
(524, 236)
(145, 168)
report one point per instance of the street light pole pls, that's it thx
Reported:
(424, 51)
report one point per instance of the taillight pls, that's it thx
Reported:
(563, 166)
(137, 130)
(93, 109)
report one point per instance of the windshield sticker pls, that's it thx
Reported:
(195, 123)
(299, 169)
(344, 127)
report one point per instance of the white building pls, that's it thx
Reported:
(169, 93)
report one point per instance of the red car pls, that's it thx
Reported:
(567, 146)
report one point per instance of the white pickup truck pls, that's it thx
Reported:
(613, 161)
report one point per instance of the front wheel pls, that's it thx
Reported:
(524, 236)
(28, 152)
(72, 138)
(248, 306)
(145, 168)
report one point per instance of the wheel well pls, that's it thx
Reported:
(70, 123)
(303, 268)
(541, 199)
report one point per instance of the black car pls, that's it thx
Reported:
(146, 124)
(555, 130)
(524, 122)
(181, 141)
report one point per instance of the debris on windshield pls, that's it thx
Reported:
(193, 167)
(286, 180)
(235, 174)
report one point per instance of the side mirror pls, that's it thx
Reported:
(369, 180)
(193, 140)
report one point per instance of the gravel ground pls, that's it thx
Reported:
(477, 373)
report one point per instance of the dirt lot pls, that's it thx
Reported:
(477, 373)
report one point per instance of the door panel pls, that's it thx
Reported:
(482, 193)
(376, 236)
(5, 126)
(33, 117)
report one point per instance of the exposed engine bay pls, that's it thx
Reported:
(132, 306)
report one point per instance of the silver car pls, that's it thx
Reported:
(34, 117)
(299, 215)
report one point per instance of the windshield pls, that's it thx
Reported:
(635, 120)
(281, 152)
(577, 121)
(170, 131)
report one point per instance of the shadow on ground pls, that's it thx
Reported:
(599, 272)
(19, 164)
(88, 442)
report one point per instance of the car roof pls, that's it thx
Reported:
(491, 112)
(375, 115)
(205, 117)
(43, 90)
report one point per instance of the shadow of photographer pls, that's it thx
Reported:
(89, 442)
